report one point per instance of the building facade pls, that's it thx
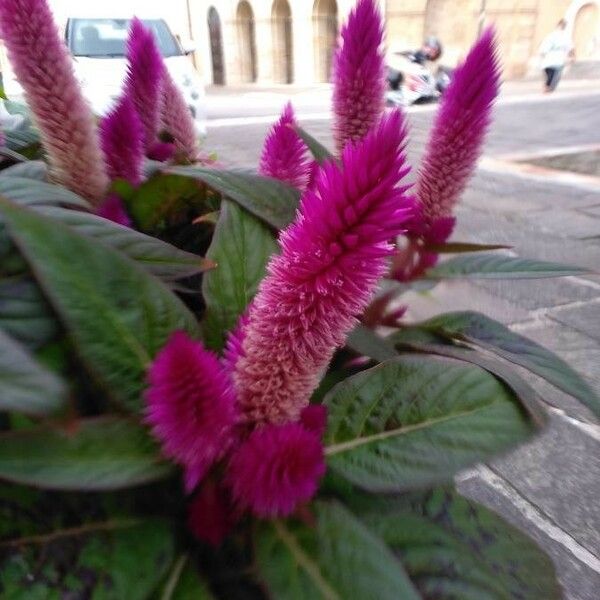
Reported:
(291, 41)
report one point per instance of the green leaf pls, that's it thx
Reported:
(24, 313)
(33, 192)
(366, 342)
(117, 314)
(268, 199)
(479, 330)
(241, 248)
(162, 199)
(31, 169)
(339, 559)
(94, 454)
(462, 247)
(25, 385)
(107, 560)
(160, 258)
(499, 266)
(184, 583)
(456, 549)
(415, 421)
(319, 152)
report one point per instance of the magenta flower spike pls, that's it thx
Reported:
(122, 136)
(145, 77)
(190, 405)
(358, 75)
(44, 68)
(331, 259)
(177, 121)
(275, 469)
(113, 209)
(456, 141)
(284, 154)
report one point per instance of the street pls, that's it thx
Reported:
(550, 488)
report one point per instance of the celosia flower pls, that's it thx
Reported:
(112, 209)
(44, 68)
(177, 121)
(331, 259)
(211, 515)
(144, 81)
(314, 418)
(190, 405)
(358, 75)
(284, 154)
(276, 468)
(122, 137)
(457, 137)
(161, 151)
(233, 346)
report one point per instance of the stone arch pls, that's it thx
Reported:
(586, 32)
(246, 36)
(215, 33)
(283, 57)
(325, 28)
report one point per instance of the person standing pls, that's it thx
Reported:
(556, 50)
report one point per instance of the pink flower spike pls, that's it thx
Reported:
(144, 81)
(177, 121)
(456, 141)
(284, 154)
(122, 136)
(112, 209)
(190, 405)
(332, 257)
(161, 151)
(211, 515)
(44, 68)
(314, 418)
(234, 344)
(275, 469)
(358, 75)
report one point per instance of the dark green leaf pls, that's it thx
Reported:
(184, 583)
(95, 454)
(499, 266)
(33, 192)
(456, 549)
(117, 314)
(161, 259)
(338, 560)
(415, 420)
(319, 152)
(241, 248)
(266, 198)
(25, 385)
(24, 313)
(108, 560)
(462, 247)
(477, 329)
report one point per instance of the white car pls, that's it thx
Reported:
(98, 46)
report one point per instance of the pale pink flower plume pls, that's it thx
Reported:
(358, 75)
(122, 136)
(177, 121)
(331, 259)
(145, 78)
(275, 469)
(44, 68)
(285, 155)
(113, 209)
(190, 405)
(234, 344)
(457, 137)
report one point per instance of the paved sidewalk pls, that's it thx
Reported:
(550, 487)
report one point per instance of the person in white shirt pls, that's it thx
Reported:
(556, 50)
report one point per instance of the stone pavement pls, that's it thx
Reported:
(551, 486)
